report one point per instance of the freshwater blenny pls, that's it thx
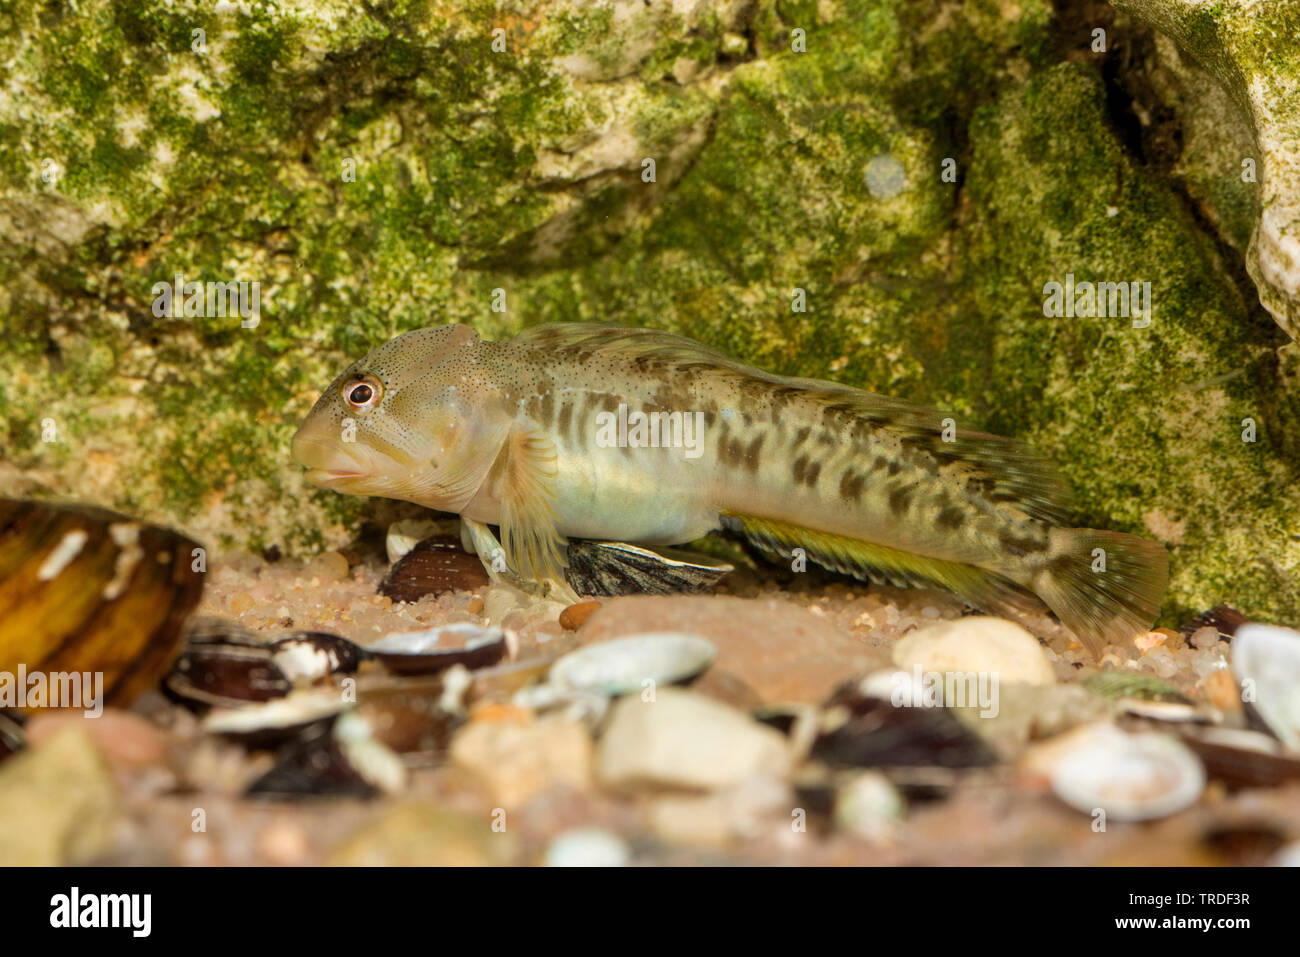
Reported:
(515, 434)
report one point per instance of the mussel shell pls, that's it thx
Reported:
(417, 652)
(863, 730)
(622, 665)
(1222, 618)
(1244, 759)
(1269, 657)
(209, 674)
(270, 723)
(312, 655)
(1132, 777)
(434, 566)
(87, 589)
(617, 568)
(341, 760)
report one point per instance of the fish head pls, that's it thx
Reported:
(415, 420)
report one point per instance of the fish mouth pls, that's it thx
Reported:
(328, 463)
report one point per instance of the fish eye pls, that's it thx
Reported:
(362, 393)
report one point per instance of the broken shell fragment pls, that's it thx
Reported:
(626, 664)
(617, 568)
(342, 760)
(404, 534)
(272, 722)
(1266, 660)
(425, 652)
(307, 656)
(432, 567)
(88, 590)
(1131, 777)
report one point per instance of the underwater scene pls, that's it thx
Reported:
(649, 432)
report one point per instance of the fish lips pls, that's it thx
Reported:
(329, 464)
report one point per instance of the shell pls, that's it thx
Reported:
(1243, 758)
(313, 655)
(1269, 658)
(617, 568)
(420, 652)
(1132, 777)
(859, 727)
(269, 723)
(341, 760)
(623, 664)
(433, 566)
(86, 589)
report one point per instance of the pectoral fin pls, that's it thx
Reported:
(524, 478)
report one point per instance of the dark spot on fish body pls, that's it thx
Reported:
(800, 437)
(752, 453)
(895, 467)
(851, 484)
(951, 518)
(899, 497)
(799, 469)
(1020, 547)
(810, 477)
(566, 417)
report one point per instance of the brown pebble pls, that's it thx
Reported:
(573, 616)
(475, 606)
(125, 739)
(434, 566)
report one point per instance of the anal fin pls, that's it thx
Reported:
(882, 564)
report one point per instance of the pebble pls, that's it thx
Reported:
(421, 835)
(685, 740)
(977, 644)
(1205, 638)
(283, 843)
(573, 617)
(125, 739)
(519, 761)
(587, 847)
(58, 803)
(329, 566)
(1222, 690)
(869, 806)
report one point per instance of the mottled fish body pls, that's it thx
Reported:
(582, 431)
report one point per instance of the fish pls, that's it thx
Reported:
(544, 436)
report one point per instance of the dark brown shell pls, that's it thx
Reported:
(434, 566)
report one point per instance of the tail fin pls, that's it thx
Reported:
(1104, 586)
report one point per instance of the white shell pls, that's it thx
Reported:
(1269, 657)
(1131, 777)
(404, 534)
(298, 707)
(429, 641)
(624, 664)
(588, 847)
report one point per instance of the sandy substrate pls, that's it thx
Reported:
(777, 644)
